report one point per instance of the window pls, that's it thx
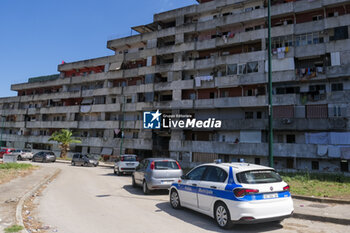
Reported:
(290, 138)
(232, 69)
(242, 69)
(214, 174)
(196, 174)
(317, 17)
(249, 115)
(337, 111)
(257, 161)
(258, 177)
(252, 67)
(258, 115)
(337, 86)
(290, 163)
(344, 166)
(212, 95)
(315, 165)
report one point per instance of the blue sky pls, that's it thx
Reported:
(37, 35)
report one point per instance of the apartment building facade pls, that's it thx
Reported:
(209, 61)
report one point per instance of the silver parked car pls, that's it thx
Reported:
(156, 173)
(44, 156)
(125, 164)
(22, 154)
(84, 160)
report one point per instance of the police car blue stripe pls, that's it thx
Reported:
(226, 194)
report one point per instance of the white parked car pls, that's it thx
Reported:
(126, 164)
(22, 154)
(234, 193)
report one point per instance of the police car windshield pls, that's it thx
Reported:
(258, 177)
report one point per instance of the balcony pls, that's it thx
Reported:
(174, 85)
(19, 124)
(51, 124)
(238, 80)
(249, 149)
(56, 110)
(297, 124)
(99, 124)
(102, 91)
(105, 108)
(7, 112)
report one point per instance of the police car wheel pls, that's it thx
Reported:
(175, 199)
(133, 182)
(222, 216)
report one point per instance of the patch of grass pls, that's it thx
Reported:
(9, 171)
(14, 228)
(318, 184)
(15, 166)
(67, 159)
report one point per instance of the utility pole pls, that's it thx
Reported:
(122, 128)
(270, 89)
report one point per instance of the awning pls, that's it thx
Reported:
(107, 151)
(115, 66)
(87, 101)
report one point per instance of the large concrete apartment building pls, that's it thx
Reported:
(207, 60)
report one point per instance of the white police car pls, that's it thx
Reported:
(234, 193)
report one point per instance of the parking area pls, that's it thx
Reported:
(89, 199)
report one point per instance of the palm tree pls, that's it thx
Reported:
(64, 138)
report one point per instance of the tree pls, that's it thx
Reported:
(64, 139)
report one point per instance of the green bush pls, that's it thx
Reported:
(14, 228)
(306, 176)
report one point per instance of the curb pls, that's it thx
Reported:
(321, 199)
(99, 165)
(19, 219)
(340, 221)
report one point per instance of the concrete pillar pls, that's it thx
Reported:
(177, 75)
(177, 95)
(180, 20)
(263, 43)
(179, 38)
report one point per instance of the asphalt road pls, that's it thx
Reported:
(94, 200)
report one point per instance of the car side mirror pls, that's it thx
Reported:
(184, 177)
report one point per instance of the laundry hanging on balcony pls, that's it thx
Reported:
(322, 150)
(203, 78)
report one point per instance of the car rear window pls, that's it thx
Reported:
(258, 177)
(129, 158)
(165, 165)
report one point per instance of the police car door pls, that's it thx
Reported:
(188, 187)
(212, 186)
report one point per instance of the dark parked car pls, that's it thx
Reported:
(44, 156)
(84, 160)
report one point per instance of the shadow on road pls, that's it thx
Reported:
(207, 223)
(138, 191)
